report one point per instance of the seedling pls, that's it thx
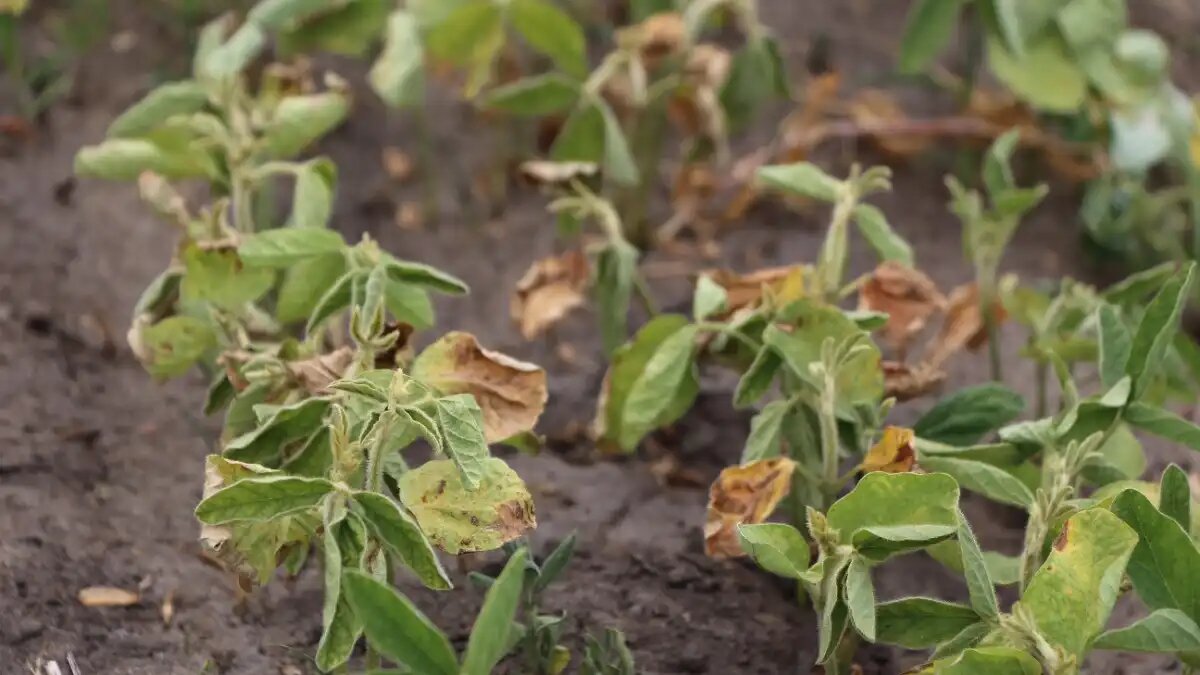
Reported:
(315, 427)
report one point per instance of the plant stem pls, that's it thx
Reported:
(1043, 376)
(829, 442)
(987, 301)
(714, 327)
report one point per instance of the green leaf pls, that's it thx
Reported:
(995, 660)
(616, 269)
(801, 179)
(426, 276)
(340, 628)
(396, 628)
(1163, 423)
(552, 32)
(834, 615)
(262, 498)
(969, 414)
(1071, 595)
(1002, 569)
(1045, 75)
(461, 422)
(927, 31)
(489, 640)
(859, 380)
(174, 344)
(1134, 288)
(1157, 328)
(618, 160)
(979, 582)
(312, 203)
(859, 595)
(778, 548)
(1175, 496)
(1088, 23)
(125, 159)
(708, 299)
(402, 536)
(649, 399)
(628, 365)
(1165, 630)
(555, 563)
(158, 297)
(398, 75)
(1164, 563)
(299, 121)
(163, 102)
(289, 245)
(875, 229)
(220, 394)
(220, 278)
(765, 439)
(920, 623)
(582, 138)
(966, 639)
(232, 56)
(460, 520)
(888, 513)
(275, 14)
(303, 285)
(464, 35)
(350, 29)
(264, 444)
(757, 379)
(409, 304)
(1115, 344)
(535, 96)
(336, 298)
(756, 76)
(988, 480)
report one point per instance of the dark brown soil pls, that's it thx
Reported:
(100, 468)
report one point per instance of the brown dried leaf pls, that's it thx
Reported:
(894, 453)
(397, 164)
(907, 295)
(318, 372)
(550, 288)
(905, 383)
(657, 37)
(545, 172)
(872, 107)
(964, 325)
(743, 494)
(167, 610)
(746, 292)
(107, 596)
(511, 393)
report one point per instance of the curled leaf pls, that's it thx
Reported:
(550, 288)
(894, 453)
(904, 382)
(511, 393)
(906, 295)
(743, 495)
(318, 372)
(964, 326)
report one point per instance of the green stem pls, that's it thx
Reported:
(829, 442)
(987, 300)
(1043, 377)
(714, 327)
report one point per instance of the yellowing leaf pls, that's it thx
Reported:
(511, 393)
(107, 596)
(906, 295)
(458, 520)
(743, 495)
(893, 453)
(550, 288)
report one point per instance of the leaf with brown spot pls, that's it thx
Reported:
(904, 382)
(743, 495)
(548, 291)
(107, 596)
(318, 372)
(893, 453)
(906, 295)
(458, 520)
(511, 393)
(964, 326)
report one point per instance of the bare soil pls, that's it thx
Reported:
(100, 468)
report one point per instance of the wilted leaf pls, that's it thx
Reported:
(459, 520)
(894, 453)
(743, 495)
(549, 289)
(906, 382)
(107, 596)
(906, 295)
(746, 292)
(964, 326)
(658, 37)
(511, 393)
(316, 373)
(300, 120)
